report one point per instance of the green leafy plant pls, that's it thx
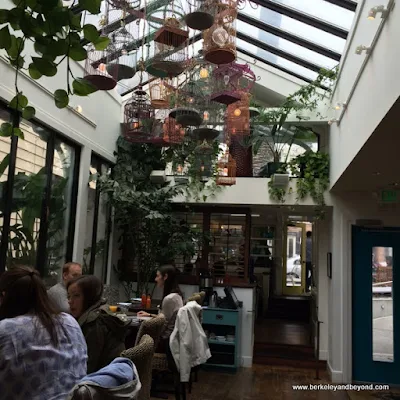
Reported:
(54, 30)
(311, 172)
(150, 233)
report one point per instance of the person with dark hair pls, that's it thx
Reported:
(104, 332)
(58, 293)
(172, 301)
(43, 352)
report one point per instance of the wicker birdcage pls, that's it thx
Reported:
(242, 155)
(220, 40)
(200, 14)
(96, 67)
(172, 131)
(226, 171)
(159, 93)
(237, 116)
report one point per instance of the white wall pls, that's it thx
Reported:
(347, 209)
(252, 191)
(376, 91)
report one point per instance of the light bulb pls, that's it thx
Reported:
(237, 112)
(102, 67)
(78, 109)
(135, 125)
(176, 127)
(203, 73)
(206, 115)
(226, 79)
(220, 36)
(202, 168)
(191, 100)
(179, 168)
(225, 171)
(233, 130)
(182, 131)
(124, 52)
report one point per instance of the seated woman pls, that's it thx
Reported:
(104, 333)
(42, 352)
(167, 278)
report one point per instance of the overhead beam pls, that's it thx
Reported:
(347, 4)
(289, 36)
(305, 18)
(280, 53)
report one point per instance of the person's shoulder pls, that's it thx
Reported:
(55, 288)
(9, 326)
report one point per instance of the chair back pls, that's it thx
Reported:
(142, 356)
(152, 327)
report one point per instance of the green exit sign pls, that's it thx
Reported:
(390, 196)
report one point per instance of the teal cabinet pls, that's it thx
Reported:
(222, 327)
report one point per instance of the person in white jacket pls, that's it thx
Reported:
(188, 342)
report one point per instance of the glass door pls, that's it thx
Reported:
(294, 263)
(376, 349)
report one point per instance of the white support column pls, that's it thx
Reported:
(81, 204)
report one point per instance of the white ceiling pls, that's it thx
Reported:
(377, 165)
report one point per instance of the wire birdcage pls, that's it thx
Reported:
(200, 14)
(122, 63)
(140, 123)
(220, 40)
(203, 160)
(96, 67)
(159, 91)
(226, 171)
(172, 131)
(237, 116)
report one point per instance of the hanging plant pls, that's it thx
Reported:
(311, 172)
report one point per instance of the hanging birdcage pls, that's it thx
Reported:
(122, 64)
(173, 132)
(220, 40)
(229, 81)
(211, 127)
(242, 155)
(237, 116)
(203, 160)
(96, 67)
(200, 15)
(163, 61)
(159, 94)
(140, 124)
(181, 173)
(226, 171)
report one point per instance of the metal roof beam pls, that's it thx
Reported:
(306, 19)
(347, 4)
(289, 36)
(279, 52)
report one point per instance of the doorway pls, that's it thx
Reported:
(376, 349)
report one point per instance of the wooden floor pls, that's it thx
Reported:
(281, 332)
(260, 383)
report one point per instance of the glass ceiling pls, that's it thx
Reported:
(295, 36)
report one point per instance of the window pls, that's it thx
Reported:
(41, 209)
(98, 223)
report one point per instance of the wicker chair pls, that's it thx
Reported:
(142, 356)
(152, 327)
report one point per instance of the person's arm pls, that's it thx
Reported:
(95, 340)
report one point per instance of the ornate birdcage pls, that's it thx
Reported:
(160, 91)
(237, 116)
(229, 81)
(226, 171)
(203, 160)
(96, 67)
(172, 131)
(200, 14)
(122, 63)
(140, 124)
(220, 40)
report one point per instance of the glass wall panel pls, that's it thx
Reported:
(60, 215)
(5, 143)
(29, 188)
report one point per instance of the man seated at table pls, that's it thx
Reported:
(58, 293)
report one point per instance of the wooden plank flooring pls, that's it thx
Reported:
(260, 383)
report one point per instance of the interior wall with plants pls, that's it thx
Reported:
(150, 234)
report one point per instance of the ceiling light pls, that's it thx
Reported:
(78, 109)
(361, 48)
(340, 105)
(255, 215)
(238, 215)
(375, 10)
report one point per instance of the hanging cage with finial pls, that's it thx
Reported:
(160, 91)
(226, 170)
(220, 40)
(237, 116)
(203, 160)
